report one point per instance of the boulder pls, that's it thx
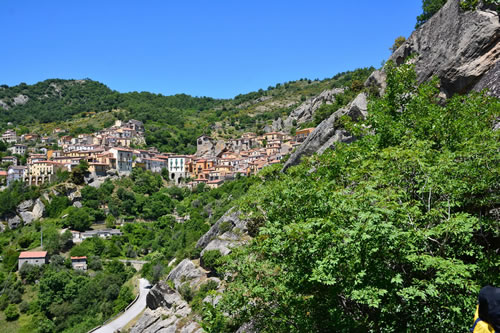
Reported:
(186, 271)
(212, 299)
(27, 217)
(192, 327)
(161, 295)
(232, 216)
(25, 206)
(77, 204)
(328, 132)
(75, 196)
(38, 209)
(147, 319)
(14, 222)
(490, 81)
(20, 99)
(224, 246)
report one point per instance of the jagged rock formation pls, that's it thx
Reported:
(231, 216)
(27, 211)
(461, 48)
(20, 99)
(329, 132)
(161, 295)
(186, 272)
(305, 111)
(14, 222)
(166, 310)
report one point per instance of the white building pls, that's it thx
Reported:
(123, 159)
(10, 136)
(16, 173)
(177, 168)
(154, 164)
(18, 149)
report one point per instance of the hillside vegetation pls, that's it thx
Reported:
(395, 232)
(172, 122)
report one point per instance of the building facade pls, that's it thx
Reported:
(37, 258)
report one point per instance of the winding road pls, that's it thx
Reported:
(132, 312)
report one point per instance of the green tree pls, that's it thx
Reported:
(388, 233)
(11, 312)
(397, 43)
(79, 219)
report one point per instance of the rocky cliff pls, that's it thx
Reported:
(460, 47)
(167, 309)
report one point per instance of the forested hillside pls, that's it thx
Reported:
(172, 122)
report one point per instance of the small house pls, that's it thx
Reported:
(79, 263)
(38, 258)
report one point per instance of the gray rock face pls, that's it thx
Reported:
(162, 295)
(186, 271)
(14, 222)
(232, 216)
(38, 209)
(147, 319)
(328, 132)
(461, 48)
(77, 204)
(224, 246)
(305, 111)
(4, 105)
(27, 217)
(21, 99)
(25, 206)
(490, 81)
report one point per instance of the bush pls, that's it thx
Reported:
(186, 292)
(30, 273)
(210, 259)
(24, 307)
(11, 312)
(225, 226)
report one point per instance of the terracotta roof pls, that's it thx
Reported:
(3, 173)
(76, 258)
(33, 254)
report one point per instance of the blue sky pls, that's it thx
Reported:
(202, 48)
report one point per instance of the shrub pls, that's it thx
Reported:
(186, 292)
(210, 259)
(225, 226)
(11, 312)
(24, 307)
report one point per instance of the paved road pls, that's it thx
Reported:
(130, 314)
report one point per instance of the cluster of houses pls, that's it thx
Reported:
(108, 152)
(40, 258)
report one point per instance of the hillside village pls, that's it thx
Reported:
(111, 152)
